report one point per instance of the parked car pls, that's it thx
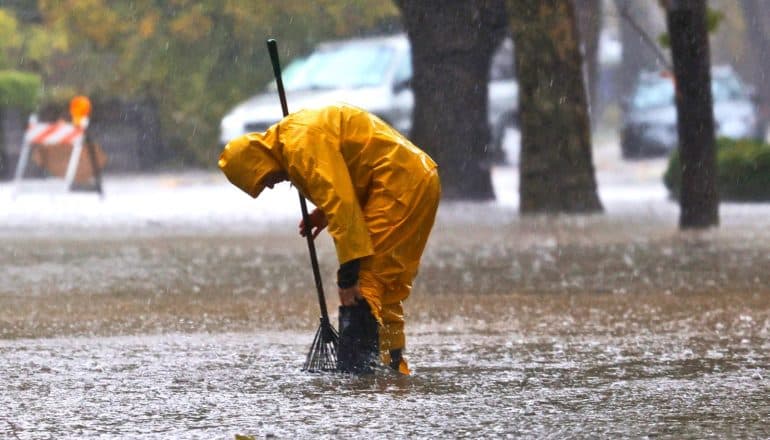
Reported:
(371, 73)
(649, 125)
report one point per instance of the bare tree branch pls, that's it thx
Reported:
(623, 12)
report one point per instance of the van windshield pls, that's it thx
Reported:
(353, 65)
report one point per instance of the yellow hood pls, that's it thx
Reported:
(246, 161)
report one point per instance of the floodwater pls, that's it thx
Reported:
(591, 327)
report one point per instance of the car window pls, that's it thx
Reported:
(404, 70)
(293, 69)
(660, 92)
(726, 88)
(357, 65)
(650, 94)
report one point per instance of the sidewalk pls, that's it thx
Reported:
(199, 199)
(207, 199)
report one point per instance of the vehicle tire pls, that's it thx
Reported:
(629, 153)
(629, 146)
(495, 153)
(4, 170)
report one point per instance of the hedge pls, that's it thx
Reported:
(743, 171)
(21, 90)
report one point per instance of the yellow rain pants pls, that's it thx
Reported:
(378, 191)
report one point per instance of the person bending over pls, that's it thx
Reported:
(376, 194)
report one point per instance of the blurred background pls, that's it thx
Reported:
(170, 81)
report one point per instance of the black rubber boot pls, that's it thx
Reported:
(359, 344)
(395, 358)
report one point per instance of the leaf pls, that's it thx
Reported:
(714, 18)
(664, 40)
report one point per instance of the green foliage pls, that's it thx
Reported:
(19, 89)
(672, 177)
(195, 58)
(9, 36)
(28, 46)
(714, 18)
(743, 170)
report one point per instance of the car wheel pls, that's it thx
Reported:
(629, 153)
(495, 152)
(629, 146)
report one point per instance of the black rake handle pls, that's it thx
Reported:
(272, 48)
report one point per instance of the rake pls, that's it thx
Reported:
(323, 352)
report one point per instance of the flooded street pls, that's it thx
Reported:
(616, 325)
(155, 157)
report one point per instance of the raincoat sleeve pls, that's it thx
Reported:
(316, 166)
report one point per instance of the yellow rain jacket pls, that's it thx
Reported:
(378, 191)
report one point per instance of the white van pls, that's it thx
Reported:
(370, 73)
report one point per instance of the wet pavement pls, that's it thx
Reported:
(610, 326)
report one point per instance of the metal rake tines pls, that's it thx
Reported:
(322, 356)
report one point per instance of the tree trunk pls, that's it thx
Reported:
(589, 17)
(452, 46)
(557, 173)
(688, 31)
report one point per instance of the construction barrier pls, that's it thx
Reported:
(58, 147)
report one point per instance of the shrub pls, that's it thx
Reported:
(743, 170)
(19, 89)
